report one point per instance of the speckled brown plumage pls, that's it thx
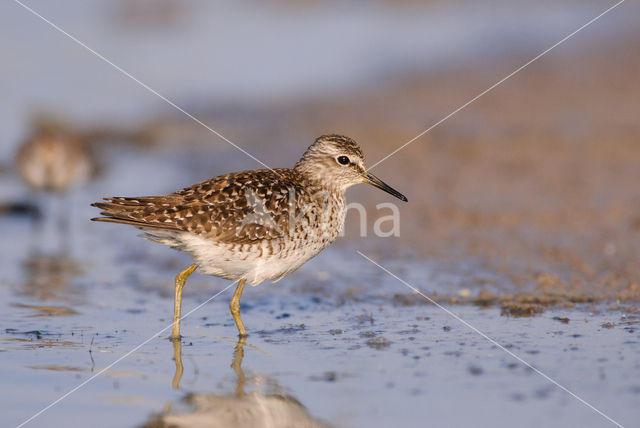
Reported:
(218, 208)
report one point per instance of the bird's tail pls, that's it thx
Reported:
(149, 211)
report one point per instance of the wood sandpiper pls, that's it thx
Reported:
(53, 160)
(256, 225)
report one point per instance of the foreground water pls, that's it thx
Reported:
(308, 358)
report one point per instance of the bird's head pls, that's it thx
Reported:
(337, 161)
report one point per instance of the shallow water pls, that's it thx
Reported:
(351, 364)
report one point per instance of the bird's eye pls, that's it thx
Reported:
(343, 160)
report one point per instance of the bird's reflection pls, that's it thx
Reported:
(49, 272)
(48, 276)
(177, 358)
(240, 409)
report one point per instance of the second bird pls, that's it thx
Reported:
(252, 226)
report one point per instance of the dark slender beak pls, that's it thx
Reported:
(375, 181)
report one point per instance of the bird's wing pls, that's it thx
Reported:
(242, 207)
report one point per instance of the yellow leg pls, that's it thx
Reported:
(234, 305)
(181, 278)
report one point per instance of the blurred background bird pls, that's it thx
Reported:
(53, 159)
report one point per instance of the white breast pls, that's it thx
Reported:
(263, 260)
